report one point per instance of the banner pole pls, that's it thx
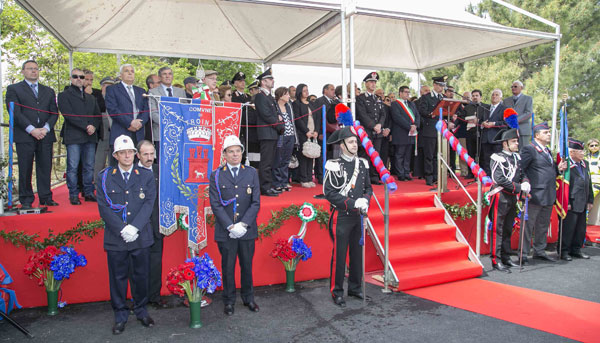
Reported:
(11, 115)
(324, 129)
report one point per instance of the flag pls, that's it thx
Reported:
(562, 181)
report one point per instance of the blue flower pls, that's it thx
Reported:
(64, 264)
(303, 252)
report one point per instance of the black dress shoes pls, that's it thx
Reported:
(525, 260)
(580, 255)
(91, 197)
(229, 310)
(545, 257)
(401, 178)
(270, 193)
(252, 306)
(147, 322)
(509, 263)
(500, 267)
(74, 201)
(566, 257)
(339, 301)
(49, 202)
(118, 328)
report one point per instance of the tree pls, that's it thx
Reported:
(390, 81)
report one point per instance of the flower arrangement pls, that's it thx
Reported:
(52, 265)
(194, 278)
(291, 253)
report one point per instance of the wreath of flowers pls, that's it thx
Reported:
(52, 266)
(194, 278)
(290, 253)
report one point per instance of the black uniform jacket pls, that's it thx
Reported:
(79, 112)
(541, 173)
(361, 189)
(370, 112)
(502, 162)
(21, 93)
(138, 194)
(401, 123)
(266, 110)
(580, 187)
(246, 190)
(427, 103)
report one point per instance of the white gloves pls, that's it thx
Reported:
(362, 205)
(237, 230)
(129, 233)
(525, 187)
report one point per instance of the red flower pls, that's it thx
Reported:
(189, 274)
(185, 266)
(283, 250)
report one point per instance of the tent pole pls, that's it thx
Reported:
(343, 53)
(555, 94)
(70, 60)
(352, 90)
(418, 84)
(119, 61)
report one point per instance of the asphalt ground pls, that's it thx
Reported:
(309, 315)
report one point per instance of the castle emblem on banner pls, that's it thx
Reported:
(198, 163)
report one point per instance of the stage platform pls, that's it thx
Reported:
(91, 283)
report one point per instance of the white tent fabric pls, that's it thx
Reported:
(409, 35)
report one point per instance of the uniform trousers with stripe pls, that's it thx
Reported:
(505, 210)
(346, 239)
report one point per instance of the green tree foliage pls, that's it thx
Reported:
(24, 38)
(390, 81)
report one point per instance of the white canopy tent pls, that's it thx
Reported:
(408, 35)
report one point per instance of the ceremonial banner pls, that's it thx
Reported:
(192, 135)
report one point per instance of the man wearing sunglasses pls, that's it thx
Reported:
(34, 115)
(523, 105)
(82, 120)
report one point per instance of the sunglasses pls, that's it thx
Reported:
(593, 145)
(514, 86)
(78, 76)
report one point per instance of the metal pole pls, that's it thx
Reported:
(1, 119)
(386, 220)
(555, 93)
(439, 163)
(418, 84)
(343, 52)
(478, 235)
(118, 61)
(352, 90)
(11, 111)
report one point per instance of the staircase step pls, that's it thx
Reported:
(411, 200)
(424, 253)
(410, 216)
(417, 234)
(437, 274)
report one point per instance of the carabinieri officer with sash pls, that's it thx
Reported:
(347, 187)
(235, 201)
(126, 196)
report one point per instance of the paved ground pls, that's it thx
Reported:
(310, 316)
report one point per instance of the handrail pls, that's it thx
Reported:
(378, 204)
(457, 180)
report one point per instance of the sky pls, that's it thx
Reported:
(316, 77)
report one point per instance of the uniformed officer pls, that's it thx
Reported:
(347, 187)
(581, 200)
(372, 116)
(428, 133)
(509, 181)
(126, 195)
(239, 82)
(235, 201)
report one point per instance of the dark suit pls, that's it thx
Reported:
(306, 165)
(488, 145)
(403, 143)
(118, 102)
(370, 112)
(156, 250)
(246, 190)
(139, 194)
(428, 134)
(266, 110)
(473, 133)
(27, 146)
(580, 195)
(540, 169)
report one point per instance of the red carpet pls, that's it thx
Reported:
(564, 316)
(423, 248)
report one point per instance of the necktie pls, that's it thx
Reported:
(126, 176)
(549, 155)
(132, 97)
(515, 98)
(34, 89)
(235, 170)
(169, 92)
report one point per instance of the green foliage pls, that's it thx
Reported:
(71, 236)
(24, 38)
(461, 212)
(390, 81)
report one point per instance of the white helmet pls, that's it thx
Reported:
(123, 142)
(232, 141)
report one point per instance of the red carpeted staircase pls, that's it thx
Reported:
(424, 250)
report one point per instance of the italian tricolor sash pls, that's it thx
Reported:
(408, 111)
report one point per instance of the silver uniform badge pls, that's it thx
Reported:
(249, 190)
(142, 195)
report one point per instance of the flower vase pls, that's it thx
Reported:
(289, 281)
(195, 322)
(52, 302)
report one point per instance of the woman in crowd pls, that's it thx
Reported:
(225, 93)
(306, 126)
(593, 158)
(286, 141)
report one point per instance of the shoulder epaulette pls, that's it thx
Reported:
(496, 157)
(332, 165)
(365, 162)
